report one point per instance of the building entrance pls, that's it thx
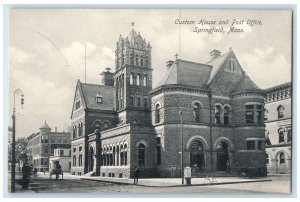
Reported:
(222, 156)
(91, 159)
(197, 162)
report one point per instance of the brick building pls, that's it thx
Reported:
(41, 146)
(278, 128)
(124, 123)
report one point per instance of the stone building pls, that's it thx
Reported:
(41, 146)
(278, 128)
(124, 123)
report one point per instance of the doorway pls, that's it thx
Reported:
(222, 156)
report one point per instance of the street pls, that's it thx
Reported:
(280, 184)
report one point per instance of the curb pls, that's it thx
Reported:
(143, 185)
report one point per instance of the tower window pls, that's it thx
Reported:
(157, 113)
(145, 102)
(145, 80)
(139, 102)
(217, 114)
(249, 114)
(250, 145)
(197, 113)
(141, 154)
(137, 61)
(226, 115)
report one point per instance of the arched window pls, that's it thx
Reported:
(226, 115)
(142, 61)
(74, 160)
(105, 125)
(141, 154)
(141, 80)
(122, 155)
(145, 80)
(131, 59)
(281, 135)
(97, 125)
(80, 129)
(125, 154)
(136, 60)
(138, 79)
(146, 61)
(131, 79)
(280, 109)
(217, 114)
(157, 113)
(196, 112)
(281, 158)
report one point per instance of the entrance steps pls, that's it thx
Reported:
(90, 174)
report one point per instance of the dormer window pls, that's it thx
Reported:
(99, 98)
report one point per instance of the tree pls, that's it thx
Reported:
(20, 149)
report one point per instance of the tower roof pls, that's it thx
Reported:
(46, 126)
(247, 84)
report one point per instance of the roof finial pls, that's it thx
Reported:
(132, 24)
(176, 55)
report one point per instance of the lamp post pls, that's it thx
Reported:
(182, 177)
(13, 158)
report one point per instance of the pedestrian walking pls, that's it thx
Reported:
(35, 172)
(228, 166)
(136, 175)
(58, 171)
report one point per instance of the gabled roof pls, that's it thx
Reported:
(88, 94)
(216, 65)
(186, 73)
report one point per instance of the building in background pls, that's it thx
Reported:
(62, 157)
(41, 145)
(278, 120)
(117, 128)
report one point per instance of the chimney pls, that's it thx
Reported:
(55, 129)
(107, 77)
(215, 53)
(169, 63)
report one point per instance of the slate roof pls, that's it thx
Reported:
(186, 73)
(89, 92)
(216, 65)
(246, 84)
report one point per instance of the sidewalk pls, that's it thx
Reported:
(174, 182)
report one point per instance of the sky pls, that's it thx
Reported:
(47, 51)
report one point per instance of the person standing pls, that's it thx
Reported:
(136, 175)
(26, 170)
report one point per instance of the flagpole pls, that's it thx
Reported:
(84, 63)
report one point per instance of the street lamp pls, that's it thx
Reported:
(13, 158)
(182, 178)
